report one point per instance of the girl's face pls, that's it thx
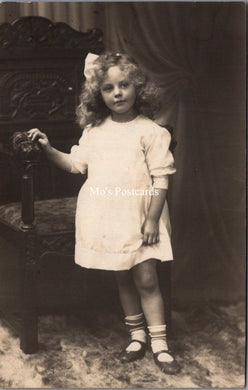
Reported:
(119, 95)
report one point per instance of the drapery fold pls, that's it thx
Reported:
(150, 34)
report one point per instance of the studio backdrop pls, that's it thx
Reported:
(196, 51)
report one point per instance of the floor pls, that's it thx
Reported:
(208, 340)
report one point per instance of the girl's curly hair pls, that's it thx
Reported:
(92, 110)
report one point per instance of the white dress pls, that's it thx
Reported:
(125, 163)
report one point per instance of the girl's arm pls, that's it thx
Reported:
(150, 228)
(62, 160)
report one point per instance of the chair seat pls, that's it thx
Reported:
(51, 216)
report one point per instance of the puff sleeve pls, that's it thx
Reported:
(159, 159)
(79, 154)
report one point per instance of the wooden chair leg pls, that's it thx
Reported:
(29, 314)
(29, 331)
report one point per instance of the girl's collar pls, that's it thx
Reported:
(109, 118)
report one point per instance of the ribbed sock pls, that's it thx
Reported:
(159, 343)
(136, 327)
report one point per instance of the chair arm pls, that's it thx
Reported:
(29, 152)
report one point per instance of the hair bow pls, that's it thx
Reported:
(89, 64)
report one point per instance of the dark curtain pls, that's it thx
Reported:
(197, 53)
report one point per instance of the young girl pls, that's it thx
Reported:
(122, 220)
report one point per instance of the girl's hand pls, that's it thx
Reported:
(150, 231)
(41, 138)
(61, 159)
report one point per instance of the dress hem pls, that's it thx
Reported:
(119, 262)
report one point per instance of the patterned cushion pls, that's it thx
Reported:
(51, 216)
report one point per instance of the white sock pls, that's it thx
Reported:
(137, 332)
(139, 335)
(159, 343)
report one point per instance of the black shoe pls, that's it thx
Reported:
(130, 356)
(170, 368)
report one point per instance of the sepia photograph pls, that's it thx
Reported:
(123, 194)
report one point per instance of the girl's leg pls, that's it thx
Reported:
(146, 281)
(129, 297)
(134, 318)
(147, 284)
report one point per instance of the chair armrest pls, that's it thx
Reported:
(29, 152)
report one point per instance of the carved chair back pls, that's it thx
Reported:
(41, 72)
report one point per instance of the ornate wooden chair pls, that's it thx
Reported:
(41, 72)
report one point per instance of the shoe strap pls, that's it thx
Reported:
(162, 351)
(137, 341)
